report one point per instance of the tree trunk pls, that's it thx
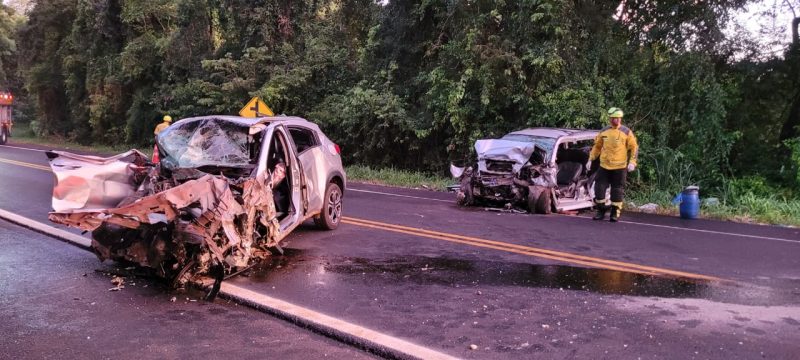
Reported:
(789, 130)
(790, 126)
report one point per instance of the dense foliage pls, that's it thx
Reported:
(411, 84)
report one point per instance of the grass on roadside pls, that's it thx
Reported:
(399, 178)
(22, 134)
(746, 208)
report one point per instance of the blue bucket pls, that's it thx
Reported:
(689, 200)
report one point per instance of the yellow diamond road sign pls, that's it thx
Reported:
(256, 108)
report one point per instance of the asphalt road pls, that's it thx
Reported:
(411, 264)
(56, 305)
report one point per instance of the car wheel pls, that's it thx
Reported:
(331, 213)
(3, 136)
(541, 203)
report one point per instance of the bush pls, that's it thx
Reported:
(36, 128)
(794, 148)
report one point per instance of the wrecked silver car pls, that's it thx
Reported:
(540, 169)
(226, 192)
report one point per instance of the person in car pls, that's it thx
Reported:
(617, 149)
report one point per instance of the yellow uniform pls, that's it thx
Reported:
(616, 147)
(161, 127)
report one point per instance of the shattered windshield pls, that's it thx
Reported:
(207, 142)
(545, 143)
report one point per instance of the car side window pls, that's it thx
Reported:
(304, 139)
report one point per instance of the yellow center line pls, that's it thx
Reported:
(530, 251)
(587, 263)
(20, 163)
(496, 245)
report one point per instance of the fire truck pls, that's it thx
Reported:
(6, 115)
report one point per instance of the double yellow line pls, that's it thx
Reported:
(530, 251)
(20, 163)
(495, 245)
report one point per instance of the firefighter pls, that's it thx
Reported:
(617, 149)
(160, 127)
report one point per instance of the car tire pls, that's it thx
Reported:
(3, 135)
(331, 213)
(541, 203)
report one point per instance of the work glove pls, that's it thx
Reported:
(593, 165)
(631, 167)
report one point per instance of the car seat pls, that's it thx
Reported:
(569, 173)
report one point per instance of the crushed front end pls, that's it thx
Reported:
(183, 223)
(507, 173)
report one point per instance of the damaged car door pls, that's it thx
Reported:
(291, 199)
(225, 193)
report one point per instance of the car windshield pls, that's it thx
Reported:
(206, 142)
(545, 143)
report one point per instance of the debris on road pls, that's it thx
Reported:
(473, 347)
(118, 282)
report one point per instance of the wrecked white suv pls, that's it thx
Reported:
(226, 191)
(539, 169)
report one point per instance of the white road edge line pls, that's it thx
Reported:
(345, 331)
(700, 230)
(80, 241)
(23, 148)
(624, 222)
(341, 330)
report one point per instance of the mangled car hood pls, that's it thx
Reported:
(90, 183)
(503, 150)
(183, 224)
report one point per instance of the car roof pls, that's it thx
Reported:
(243, 121)
(556, 133)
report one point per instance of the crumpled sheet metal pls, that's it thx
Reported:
(548, 176)
(506, 150)
(210, 220)
(92, 183)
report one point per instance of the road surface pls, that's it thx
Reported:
(413, 265)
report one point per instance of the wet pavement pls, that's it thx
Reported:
(56, 304)
(526, 310)
(449, 296)
(423, 271)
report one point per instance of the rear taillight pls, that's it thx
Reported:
(338, 149)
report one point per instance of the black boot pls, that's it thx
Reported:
(615, 213)
(600, 211)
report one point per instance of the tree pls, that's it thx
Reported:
(41, 42)
(791, 126)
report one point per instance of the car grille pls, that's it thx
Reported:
(500, 166)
